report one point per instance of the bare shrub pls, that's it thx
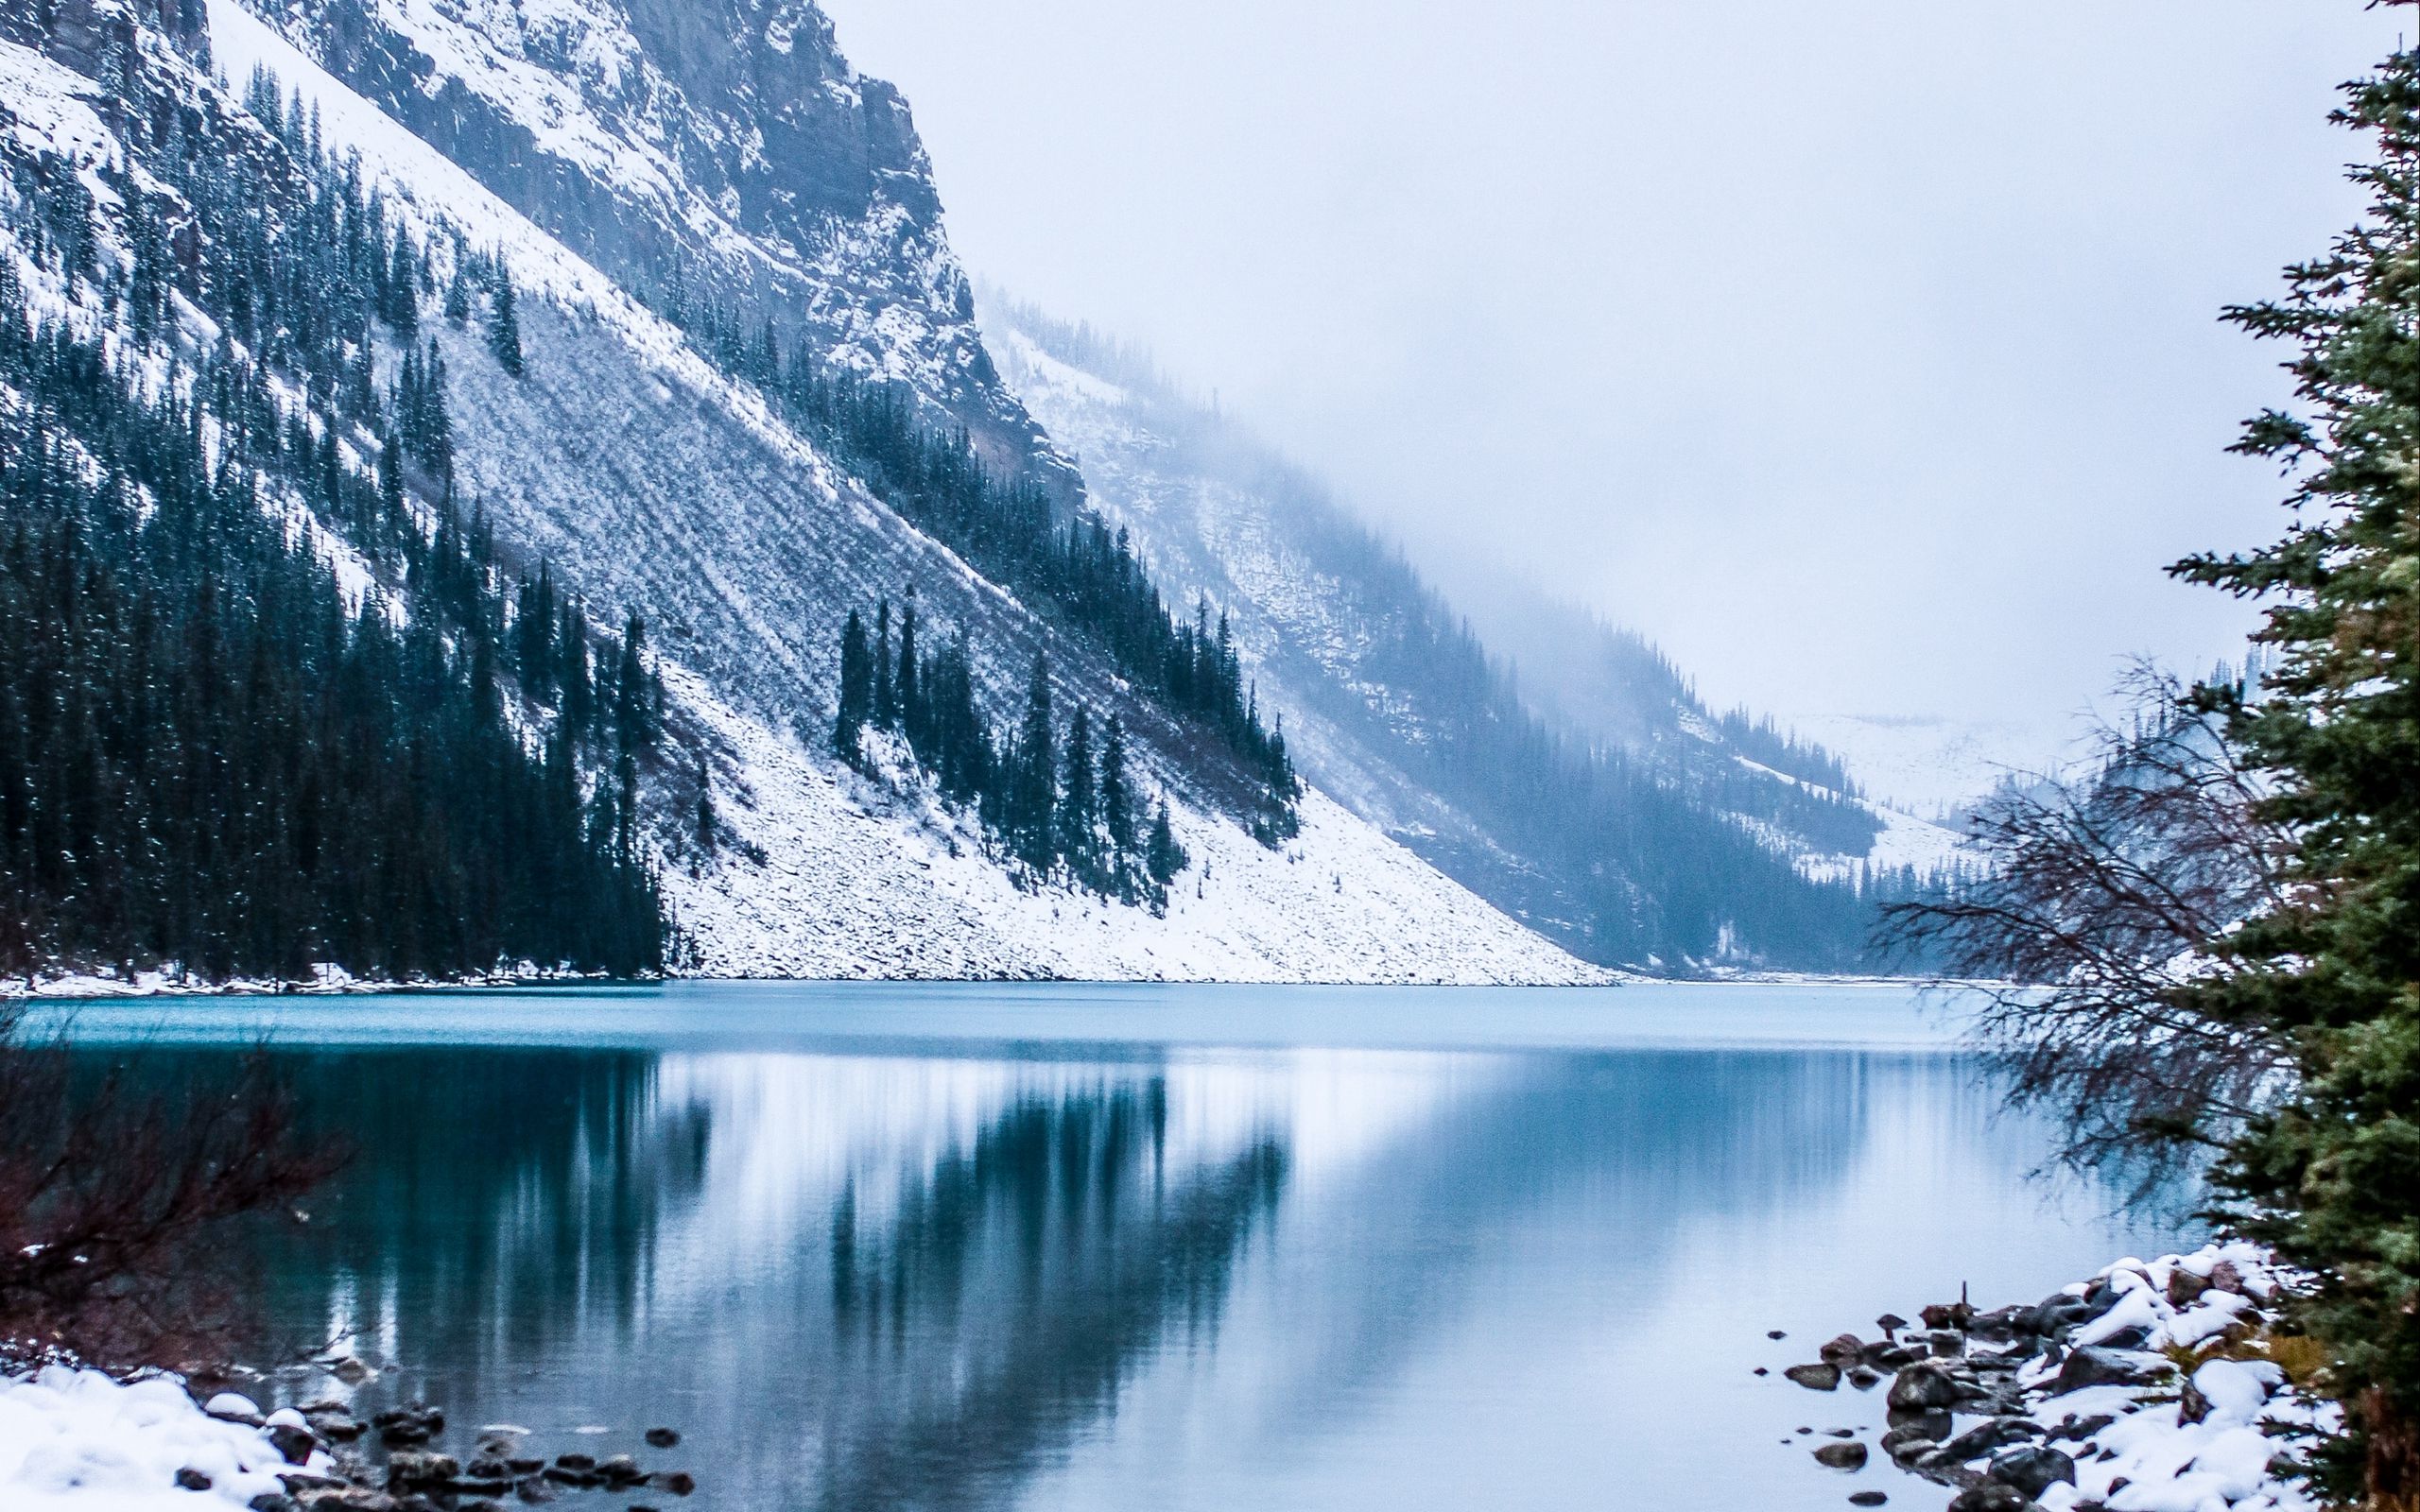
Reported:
(2105, 885)
(112, 1197)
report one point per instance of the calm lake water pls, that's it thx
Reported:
(986, 1246)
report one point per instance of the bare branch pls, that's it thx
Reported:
(2106, 887)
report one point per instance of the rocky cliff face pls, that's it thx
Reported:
(89, 36)
(722, 147)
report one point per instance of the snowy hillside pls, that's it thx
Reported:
(1932, 767)
(627, 461)
(862, 881)
(639, 473)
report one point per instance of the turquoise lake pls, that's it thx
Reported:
(1121, 1248)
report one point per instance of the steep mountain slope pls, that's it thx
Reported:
(643, 478)
(725, 146)
(1714, 839)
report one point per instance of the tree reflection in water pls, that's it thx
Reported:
(1196, 1278)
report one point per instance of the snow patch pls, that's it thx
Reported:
(76, 1440)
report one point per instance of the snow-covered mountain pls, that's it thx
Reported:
(645, 478)
(706, 214)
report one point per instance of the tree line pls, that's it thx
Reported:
(1076, 571)
(213, 752)
(1060, 806)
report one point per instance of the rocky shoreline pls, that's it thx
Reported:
(74, 1438)
(2154, 1386)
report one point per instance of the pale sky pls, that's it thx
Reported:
(1864, 355)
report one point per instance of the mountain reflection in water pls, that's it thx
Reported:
(1173, 1275)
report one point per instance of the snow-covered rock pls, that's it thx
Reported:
(2224, 1433)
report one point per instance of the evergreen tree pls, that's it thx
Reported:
(856, 691)
(504, 325)
(391, 481)
(572, 666)
(1116, 791)
(2334, 1173)
(1034, 776)
(535, 632)
(1079, 791)
(886, 685)
(1163, 856)
(635, 724)
(911, 712)
(402, 309)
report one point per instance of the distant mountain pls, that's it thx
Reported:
(1559, 766)
(1938, 767)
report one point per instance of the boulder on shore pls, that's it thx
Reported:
(2032, 1469)
(1849, 1455)
(2093, 1366)
(1925, 1385)
(1816, 1377)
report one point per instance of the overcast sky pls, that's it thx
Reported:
(1863, 355)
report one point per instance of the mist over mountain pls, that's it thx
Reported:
(1563, 768)
(638, 326)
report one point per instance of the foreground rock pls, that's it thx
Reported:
(2152, 1387)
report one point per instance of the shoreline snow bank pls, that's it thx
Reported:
(78, 1440)
(325, 981)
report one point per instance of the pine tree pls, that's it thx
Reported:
(1078, 790)
(886, 686)
(856, 691)
(911, 709)
(1116, 791)
(504, 325)
(1032, 795)
(403, 290)
(535, 632)
(572, 666)
(634, 704)
(2334, 1174)
(1163, 856)
(391, 481)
